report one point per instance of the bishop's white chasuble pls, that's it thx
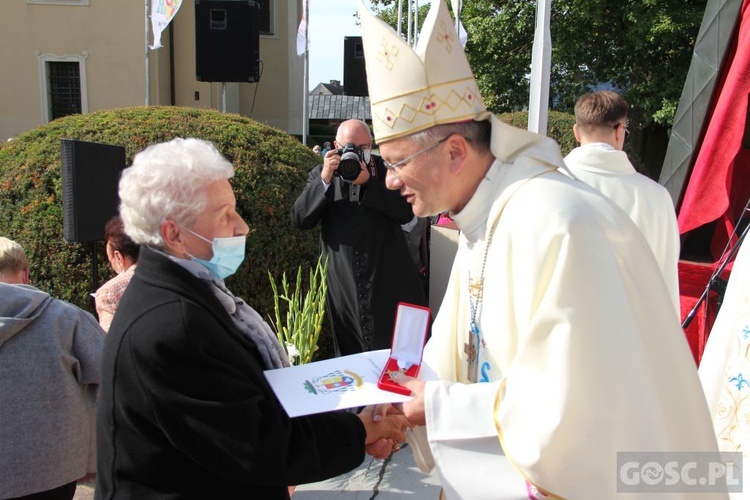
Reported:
(580, 353)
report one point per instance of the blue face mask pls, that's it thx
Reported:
(228, 255)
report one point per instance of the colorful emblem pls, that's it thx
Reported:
(337, 381)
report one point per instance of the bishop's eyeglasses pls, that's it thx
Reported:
(393, 166)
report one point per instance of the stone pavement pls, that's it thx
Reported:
(85, 491)
(396, 477)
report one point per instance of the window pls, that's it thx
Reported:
(265, 26)
(63, 85)
(63, 89)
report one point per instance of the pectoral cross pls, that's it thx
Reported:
(471, 349)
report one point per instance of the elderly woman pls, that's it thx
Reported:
(184, 409)
(122, 254)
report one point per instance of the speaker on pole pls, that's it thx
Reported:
(226, 41)
(355, 75)
(90, 177)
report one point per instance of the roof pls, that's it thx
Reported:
(339, 107)
(333, 88)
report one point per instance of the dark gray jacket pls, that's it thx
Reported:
(50, 357)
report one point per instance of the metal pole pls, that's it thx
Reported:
(400, 15)
(148, 68)
(458, 16)
(408, 22)
(416, 21)
(541, 62)
(94, 274)
(305, 80)
(223, 97)
(726, 256)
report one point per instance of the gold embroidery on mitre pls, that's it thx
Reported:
(413, 89)
(386, 54)
(397, 110)
(446, 37)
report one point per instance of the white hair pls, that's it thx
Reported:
(12, 257)
(166, 182)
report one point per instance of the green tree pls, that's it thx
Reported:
(642, 48)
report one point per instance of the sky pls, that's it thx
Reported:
(330, 22)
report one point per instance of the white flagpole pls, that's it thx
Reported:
(408, 22)
(541, 62)
(148, 66)
(416, 21)
(305, 99)
(400, 15)
(458, 16)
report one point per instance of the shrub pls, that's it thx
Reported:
(559, 127)
(270, 171)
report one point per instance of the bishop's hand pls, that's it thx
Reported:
(383, 433)
(413, 409)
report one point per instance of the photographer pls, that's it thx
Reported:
(370, 269)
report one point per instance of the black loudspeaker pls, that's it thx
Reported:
(355, 75)
(226, 41)
(90, 175)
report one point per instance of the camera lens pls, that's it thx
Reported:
(349, 166)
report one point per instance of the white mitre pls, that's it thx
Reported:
(413, 90)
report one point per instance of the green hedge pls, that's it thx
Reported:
(271, 170)
(559, 127)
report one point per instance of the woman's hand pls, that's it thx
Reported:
(385, 433)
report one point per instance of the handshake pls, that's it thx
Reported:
(384, 434)
(386, 424)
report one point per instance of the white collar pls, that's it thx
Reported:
(599, 145)
(472, 220)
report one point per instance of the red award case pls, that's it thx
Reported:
(409, 335)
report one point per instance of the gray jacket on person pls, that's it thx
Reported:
(50, 357)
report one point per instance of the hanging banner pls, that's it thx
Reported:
(162, 13)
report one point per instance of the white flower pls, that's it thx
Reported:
(292, 352)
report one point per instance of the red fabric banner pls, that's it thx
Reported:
(694, 278)
(719, 185)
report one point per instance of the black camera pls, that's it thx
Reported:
(349, 167)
